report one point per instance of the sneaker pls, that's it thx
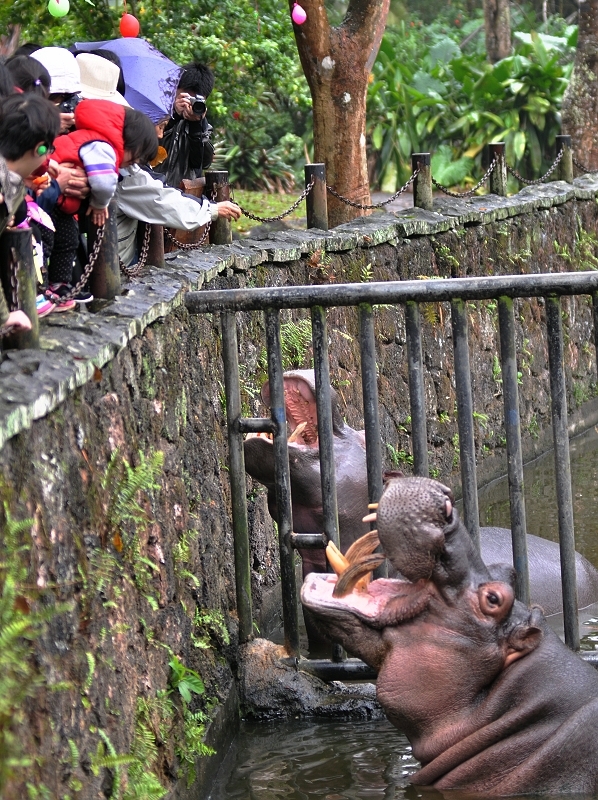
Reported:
(66, 305)
(43, 306)
(62, 289)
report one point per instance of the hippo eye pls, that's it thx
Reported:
(493, 599)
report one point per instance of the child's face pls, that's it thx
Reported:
(127, 158)
(31, 160)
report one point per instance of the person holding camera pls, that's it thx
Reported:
(187, 135)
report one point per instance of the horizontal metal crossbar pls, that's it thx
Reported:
(428, 291)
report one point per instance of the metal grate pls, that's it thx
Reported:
(408, 294)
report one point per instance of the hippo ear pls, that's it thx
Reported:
(503, 572)
(524, 638)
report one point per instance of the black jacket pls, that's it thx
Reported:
(189, 149)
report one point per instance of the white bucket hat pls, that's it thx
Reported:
(99, 78)
(63, 69)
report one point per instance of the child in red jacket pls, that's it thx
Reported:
(108, 136)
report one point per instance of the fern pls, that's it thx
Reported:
(124, 483)
(295, 342)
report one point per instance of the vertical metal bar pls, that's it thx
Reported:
(325, 432)
(217, 184)
(369, 386)
(508, 354)
(230, 355)
(417, 398)
(155, 253)
(290, 614)
(471, 513)
(422, 185)
(316, 202)
(562, 466)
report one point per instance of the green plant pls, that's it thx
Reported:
(444, 418)
(367, 273)
(208, 623)
(481, 419)
(295, 342)
(496, 370)
(533, 427)
(399, 457)
(184, 680)
(106, 757)
(181, 554)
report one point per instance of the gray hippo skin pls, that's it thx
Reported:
(352, 496)
(490, 698)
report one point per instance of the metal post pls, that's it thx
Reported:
(498, 177)
(508, 353)
(369, 386)
(104, 281)
(16, 253)
(562, 466)
(230, 355)
(564, 170)
(217, 184)
(155, 254)
(316, 202)
(417, 399)
(422, 185)
(471, 515)
(282, 477)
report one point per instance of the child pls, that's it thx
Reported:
(108, 136)
(28, 126)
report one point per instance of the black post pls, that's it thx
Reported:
(218, 190)
(564, 171)
(508, 354)
(316, 202)
(19, 284)
(471, 514)
(498, 178)
(230, 355)
(422, 185)
(562, 467)
(417, 398)
(104, 281)
(155, 254)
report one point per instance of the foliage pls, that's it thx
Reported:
(184, 680)
(428, 95)
(295, 343)
(263, 204)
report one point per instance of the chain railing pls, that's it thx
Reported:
(135, 270)
(93, 257)
(535, 182)
(581, 167)
(473, 189)
(284, 214)
(383, 203)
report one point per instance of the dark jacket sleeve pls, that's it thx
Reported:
(47, 199)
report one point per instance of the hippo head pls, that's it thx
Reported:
(439, 636)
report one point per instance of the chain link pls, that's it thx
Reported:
(284, 214)
(474, 189)
(14, 290)
(538, 180)
(135, 270)
(93, 257)
(377, 205)
(204, 236)
(581, 167)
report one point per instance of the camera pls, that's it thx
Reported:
(68, 105)
(198, 104)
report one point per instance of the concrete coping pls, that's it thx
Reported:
(33, 384)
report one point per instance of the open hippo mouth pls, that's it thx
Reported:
(300, 409)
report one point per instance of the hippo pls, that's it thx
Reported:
(352, 496)
(490, 698)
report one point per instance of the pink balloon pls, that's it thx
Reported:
(298, 15)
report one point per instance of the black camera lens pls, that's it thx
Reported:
(69, 103)
(198, 104)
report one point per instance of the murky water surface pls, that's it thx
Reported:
(353, 760)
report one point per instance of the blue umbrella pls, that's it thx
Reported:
(151, 79)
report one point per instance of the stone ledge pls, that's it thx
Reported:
(32, 386)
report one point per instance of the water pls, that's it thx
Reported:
(343, 760)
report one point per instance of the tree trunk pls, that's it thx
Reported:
(580, 103)
(497, 23)
(337, 63)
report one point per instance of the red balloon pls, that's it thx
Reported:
(129, 25)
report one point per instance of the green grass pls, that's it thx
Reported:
(262, 204)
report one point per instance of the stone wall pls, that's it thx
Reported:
(148, 575)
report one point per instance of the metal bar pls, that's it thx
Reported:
(256, 425)
(417, 398)
(471, 515)
(369, 385)
(422, 185)
(309, 541)
(230, 355)
(325, 436)
(508, 354)
(351, 669)
(290, 614)
(316, 202)
(155, 253)
(325, 429)
(353, 294)
(562, 467)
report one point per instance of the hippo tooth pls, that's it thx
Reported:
(297, 432)
(364, 546)
(373, 506)
(336, 559)
(370, 518)
(354, 575)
